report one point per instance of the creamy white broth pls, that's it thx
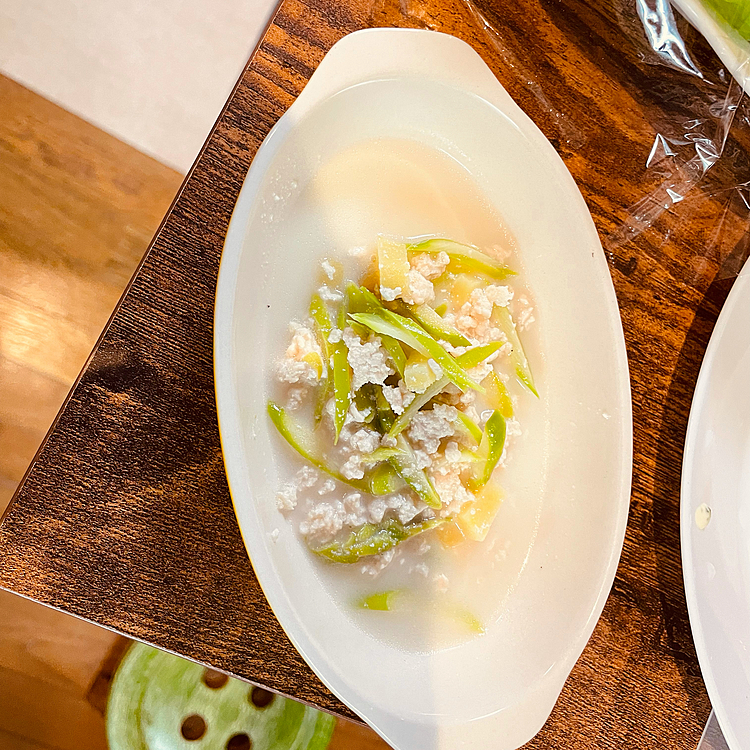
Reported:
(428, 194)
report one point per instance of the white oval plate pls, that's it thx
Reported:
(716, 559)
(575, 462)
(729, 46)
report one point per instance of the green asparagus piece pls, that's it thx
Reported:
(502, 316)
(401, 467)
(419, 401)
(385, 480)
(413, 335)
(470, 427)
(464, 257)
(362, 331)
(491, 448)
(384, 411)
(303, 441)
(322, 324)
(364, 405)
(396, 351)
(373, 539)
(382, 481)
(497, 394)
(477, 355)
(319, 313)
(341, 387)
(361, 300)
(342, 379)
(405, 463)
(467, 360)
(383, 601)
(381, 454)
(435, 325)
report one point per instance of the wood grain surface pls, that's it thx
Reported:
(77, 211)
(56, 670)
(126, 518)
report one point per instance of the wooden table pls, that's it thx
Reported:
(125, 518)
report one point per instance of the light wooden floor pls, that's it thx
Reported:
(77, 210)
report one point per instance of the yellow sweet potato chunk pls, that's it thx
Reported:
(393, 267)
(476, 517)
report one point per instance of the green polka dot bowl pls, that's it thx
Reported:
(159, 701)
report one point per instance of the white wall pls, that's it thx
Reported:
(154, 73)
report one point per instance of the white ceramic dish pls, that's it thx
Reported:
(716, 559)
(730, 47)
(495, 691)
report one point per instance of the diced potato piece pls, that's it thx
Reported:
(450, 534)
(418, 375)
(462, 288)
(469, 619)
(313, 358)
(393, 266)
(371, 276)
(443, 287)
(476, 517)
(334, 267)
(497, 395)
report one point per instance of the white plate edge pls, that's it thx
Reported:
(740, 287)
(490, 89)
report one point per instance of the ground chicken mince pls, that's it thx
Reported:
(399, 393)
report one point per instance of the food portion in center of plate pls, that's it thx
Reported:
(394, 392)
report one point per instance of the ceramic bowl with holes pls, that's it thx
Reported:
(159, 701)
(573, 473)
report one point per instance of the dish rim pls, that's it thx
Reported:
(698, 407)
(224, 380)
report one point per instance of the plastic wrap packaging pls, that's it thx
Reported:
(712, 738)
(697, 169)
